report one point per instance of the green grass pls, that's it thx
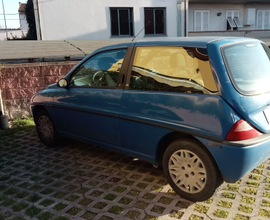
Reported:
(257, 171)
(32, 211)
(209, 201)
(46, 202)
(141, 205)
(60, 206)
(19, 206)
(225, 204)
(253, 183)
(100, 205)
(89, 215)
(232, 187)
(264, 213)
(267, 187)
(266, 194)
(165, 200)
(241, 217)
(250, 191)
(18, 124)
(201, 208)
(228, 195)
(45, 216)
(255, 177)
(195, 217)
(115, 210)
(176, 214)
(150, 217)
(74, 211)
(265, 203)
(248, 199)
(132, 215)
(221, 213)
(85, 201)
(110, 197)
(149, 196)
(125, 201)
(245, 208)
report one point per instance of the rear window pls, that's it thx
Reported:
(248, 65)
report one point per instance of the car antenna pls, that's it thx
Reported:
(141, 30)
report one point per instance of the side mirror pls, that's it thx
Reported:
(62, 83)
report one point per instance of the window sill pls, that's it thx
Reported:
(115, 36)
(156, 35)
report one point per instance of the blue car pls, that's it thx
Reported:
(199, 107)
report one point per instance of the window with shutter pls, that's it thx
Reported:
(201, 20)
(263, 19)
(233, 20)
(266, 19)
(260, 19)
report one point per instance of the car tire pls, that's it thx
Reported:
(46, 129)
(190, 170)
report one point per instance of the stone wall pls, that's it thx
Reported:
(19, 82)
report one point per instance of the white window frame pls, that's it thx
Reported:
(202, 19)
(232, 16)
(265, 23)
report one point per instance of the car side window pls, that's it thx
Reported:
(172, 69)
(101, 70)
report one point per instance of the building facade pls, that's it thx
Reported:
(230, 18)
(88, 19)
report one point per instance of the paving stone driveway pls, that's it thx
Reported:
(79, 181)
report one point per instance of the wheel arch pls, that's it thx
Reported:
(37, 108)
(166, 140)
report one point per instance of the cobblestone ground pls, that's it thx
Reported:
(79, 181)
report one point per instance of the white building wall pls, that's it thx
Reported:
(219, 23)
(90, 19)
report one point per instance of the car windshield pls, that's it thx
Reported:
(248, 65)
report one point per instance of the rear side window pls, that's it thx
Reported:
(248, 66)
(172, 69)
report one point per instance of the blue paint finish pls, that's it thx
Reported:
(234, 161)
(134, 122)
(204, 115)
(248, 107)
(90, 112)
(143, 138)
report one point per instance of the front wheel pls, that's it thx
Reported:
(190, 170)
(46, 129)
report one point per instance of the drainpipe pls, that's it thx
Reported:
(186, 17)
(180, 18)
(37, 19)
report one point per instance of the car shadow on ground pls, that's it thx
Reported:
(82, 181)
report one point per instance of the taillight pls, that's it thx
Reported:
(242, 130)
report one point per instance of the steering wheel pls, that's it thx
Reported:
(98, 76)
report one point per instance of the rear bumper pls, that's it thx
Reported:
(234, 161)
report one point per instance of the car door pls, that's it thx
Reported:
(91, 101)
(170, 88)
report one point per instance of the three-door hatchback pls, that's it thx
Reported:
(200, 107)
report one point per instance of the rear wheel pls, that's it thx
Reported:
(190, 170)
(46, 129)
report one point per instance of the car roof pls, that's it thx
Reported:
(199, 42)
